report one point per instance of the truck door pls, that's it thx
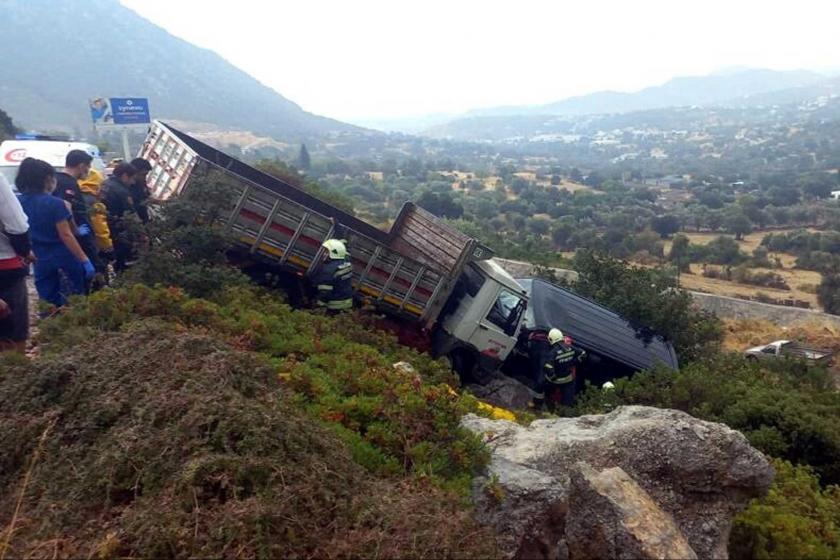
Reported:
(497, 329)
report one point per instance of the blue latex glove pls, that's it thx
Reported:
(90, 272)
(83, 230)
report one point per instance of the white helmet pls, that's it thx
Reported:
(608, 386)
(555, 336)
(335, 248)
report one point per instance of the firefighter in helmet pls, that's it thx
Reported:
(334, 278)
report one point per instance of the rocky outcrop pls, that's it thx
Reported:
(615, 518)
(504, 391)
(601, 486)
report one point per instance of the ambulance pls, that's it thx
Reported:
(13, 152)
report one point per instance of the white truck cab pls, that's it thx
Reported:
(484, 327)
(13, 152)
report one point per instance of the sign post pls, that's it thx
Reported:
(123, 113)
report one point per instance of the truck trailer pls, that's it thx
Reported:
(422, 272)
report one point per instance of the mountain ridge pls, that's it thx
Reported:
(126, 54)
(678, 91)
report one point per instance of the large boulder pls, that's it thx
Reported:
(699, 473)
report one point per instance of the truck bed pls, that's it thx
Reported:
(408, 272)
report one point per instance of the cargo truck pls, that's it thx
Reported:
(423, 272)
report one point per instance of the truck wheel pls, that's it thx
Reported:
(465, 365)
(752, 359)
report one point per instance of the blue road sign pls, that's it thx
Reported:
(130, 110)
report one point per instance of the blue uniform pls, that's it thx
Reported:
(54, 258)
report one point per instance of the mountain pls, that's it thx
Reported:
(734, 88)
(60, 53)
(681, 91)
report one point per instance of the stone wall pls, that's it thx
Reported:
(521, 269)
(734, 308)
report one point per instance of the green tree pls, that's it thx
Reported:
(441, 205)
(7, 127)
(828, 293)
(648, 297)
(739, 225)
(666, 225)
(304, 162)
(724, 250)
(679, 254)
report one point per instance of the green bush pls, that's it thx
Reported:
(187, 245)
(797, 519)
(340, 369)
(161, 440)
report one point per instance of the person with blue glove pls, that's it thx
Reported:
(77, 165)
(52, 234)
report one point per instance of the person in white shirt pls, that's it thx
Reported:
(15, 257)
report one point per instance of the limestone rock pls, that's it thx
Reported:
(700, 473)
(611, 516)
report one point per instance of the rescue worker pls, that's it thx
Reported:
(90, 187)
(560, 369)
(77, 165)
(334, 278)
(116, 194)
(98, 218)
(140, 189)
(539, 349)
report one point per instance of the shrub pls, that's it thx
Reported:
(340, 369)
(188, 246)
(797, 519)
(828, 293)
(160, 440)
(744, 275)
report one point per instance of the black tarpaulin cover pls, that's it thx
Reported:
(593, 327)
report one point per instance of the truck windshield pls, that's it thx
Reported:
(506, 312)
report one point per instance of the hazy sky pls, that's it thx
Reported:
(362, 59)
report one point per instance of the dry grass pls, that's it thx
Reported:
(741, 334)
(795, 278)
(575, 187)
(748, 243)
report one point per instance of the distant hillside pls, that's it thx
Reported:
(743, 90)
(59, 53)
(682, 91)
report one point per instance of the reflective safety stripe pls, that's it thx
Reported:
(325, 287)
(561, 380)
(565, 357)
(340, 305)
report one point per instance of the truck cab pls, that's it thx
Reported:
(482, 320)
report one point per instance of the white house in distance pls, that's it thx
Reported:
(835, 195)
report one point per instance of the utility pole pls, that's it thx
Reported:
(126, 147)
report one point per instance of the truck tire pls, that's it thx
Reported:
(463, 363)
